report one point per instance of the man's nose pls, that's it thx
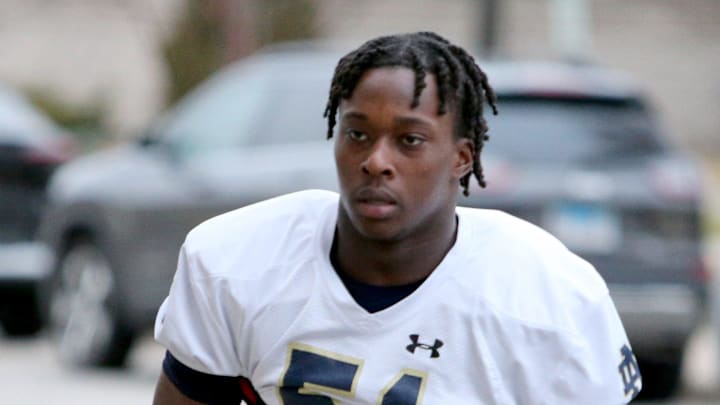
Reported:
(379, 160)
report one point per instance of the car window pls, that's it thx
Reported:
(297, 112)
(220, 114)
(571, 131)
(252, 105)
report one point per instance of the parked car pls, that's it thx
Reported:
(575, 149)
(31, 147)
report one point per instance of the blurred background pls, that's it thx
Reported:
(79, 79)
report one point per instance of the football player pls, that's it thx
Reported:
(388, 293)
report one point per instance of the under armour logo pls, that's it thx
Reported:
(415, 344)
(630, 372)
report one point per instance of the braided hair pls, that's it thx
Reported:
(462, 85)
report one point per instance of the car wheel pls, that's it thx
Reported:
(661, 379)
(83, 322)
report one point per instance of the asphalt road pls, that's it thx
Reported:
(30, 374)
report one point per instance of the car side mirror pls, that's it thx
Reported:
(148, 139)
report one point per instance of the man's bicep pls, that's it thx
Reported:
(202, 387)
(166, 393)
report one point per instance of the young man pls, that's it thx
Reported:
(388, 293)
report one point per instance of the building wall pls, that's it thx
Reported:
(88, 53)
(356, 22)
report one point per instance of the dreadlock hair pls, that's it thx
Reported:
(462, 85)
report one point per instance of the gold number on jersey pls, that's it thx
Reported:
(311, 374)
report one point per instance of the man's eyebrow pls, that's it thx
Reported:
(354, 115)
(403, 120)
(412, 121)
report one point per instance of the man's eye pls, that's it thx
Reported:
(355, 135)
(412, 140)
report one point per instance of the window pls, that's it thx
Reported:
(296, 115)
(571, 130)
(220, 114)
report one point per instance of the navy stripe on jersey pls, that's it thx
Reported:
(207, 388)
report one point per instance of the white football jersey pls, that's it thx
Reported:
(510, 316)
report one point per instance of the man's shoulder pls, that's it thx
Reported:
(264, 228)
(505, 230)
(528, 272)
(266, 215)
(525, 247)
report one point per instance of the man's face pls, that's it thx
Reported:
(398, 167)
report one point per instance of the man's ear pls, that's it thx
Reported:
(465, 157)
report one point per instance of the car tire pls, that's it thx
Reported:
(84, 323)
(661, 379)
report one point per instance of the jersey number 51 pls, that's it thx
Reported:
(312, 374)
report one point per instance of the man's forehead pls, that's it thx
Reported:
(393, 82)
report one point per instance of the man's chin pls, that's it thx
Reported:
(384, 231)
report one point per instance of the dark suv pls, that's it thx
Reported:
(31, 147)
(575, 149)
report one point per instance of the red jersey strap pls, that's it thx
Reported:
(248, 392)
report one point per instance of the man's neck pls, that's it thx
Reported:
(391, 262)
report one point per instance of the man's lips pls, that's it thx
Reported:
(374, 203)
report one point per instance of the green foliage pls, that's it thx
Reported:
(713, 226)
(203, 40)
(194, 51)
(286, 20)
(86, 122)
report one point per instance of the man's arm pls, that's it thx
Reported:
(180, 384)
(166, 393)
